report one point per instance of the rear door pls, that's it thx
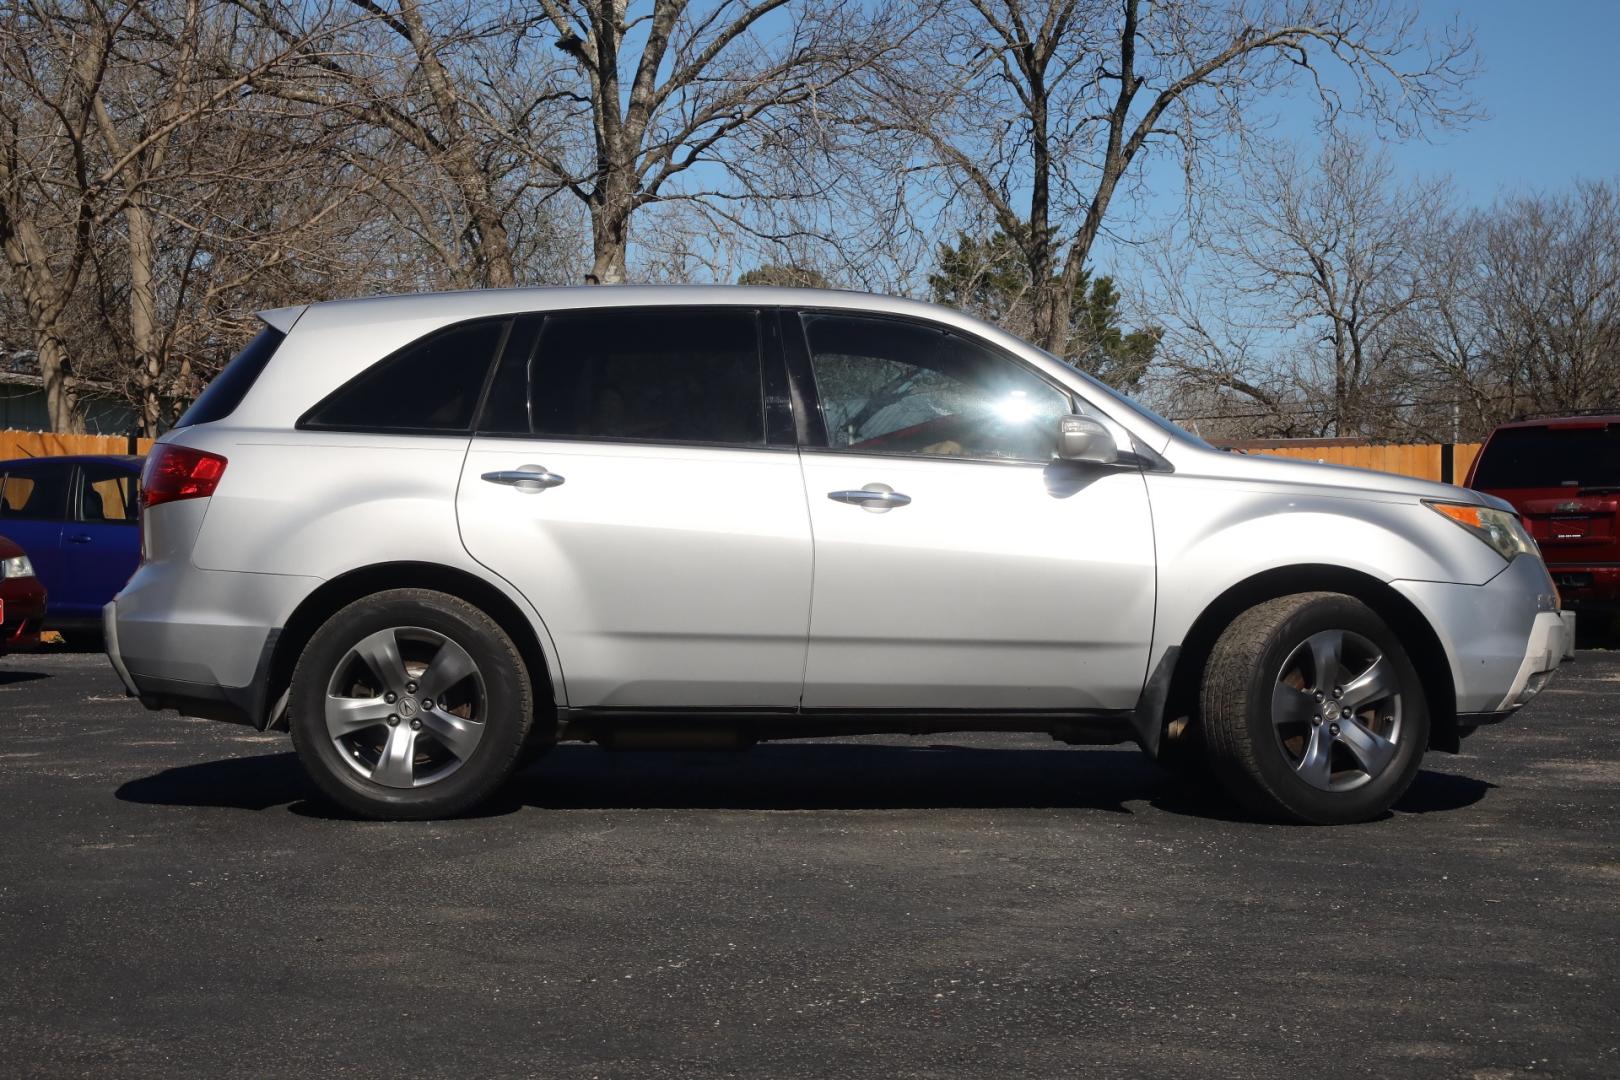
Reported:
(101, 542)
(663, 536)
(33, 504)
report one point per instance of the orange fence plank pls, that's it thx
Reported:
(19, 444)
(1421, 460)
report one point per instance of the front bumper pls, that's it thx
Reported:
(22, 612)
(1552, 641)
(1502, 639)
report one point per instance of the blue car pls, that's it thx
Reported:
(78, 520)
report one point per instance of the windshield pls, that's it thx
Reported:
(1533, 457)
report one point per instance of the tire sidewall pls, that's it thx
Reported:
(1372, 798)
(506, 691)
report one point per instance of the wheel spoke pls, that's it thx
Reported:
(380, 651)
(346, 715)
(1326, 648)
(1371, 749)
(456, 735)
(396, 767)
(1374, 684)
(1290, 705)
(1316, 767)
(450, 665)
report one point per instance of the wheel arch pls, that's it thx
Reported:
(1187, 661)
(335, 594)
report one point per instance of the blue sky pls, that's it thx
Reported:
(1551, 84)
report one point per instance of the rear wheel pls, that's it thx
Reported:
(410, 704)
(1312, 710)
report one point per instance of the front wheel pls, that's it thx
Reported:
(409, 704)
(1312, 711)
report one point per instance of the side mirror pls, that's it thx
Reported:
(1080, 438)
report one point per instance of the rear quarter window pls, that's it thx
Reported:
(431, 386)
(221, 397)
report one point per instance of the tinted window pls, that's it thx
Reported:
(35, 491)
(895, 387)
(106, 495)
(662, 376)
(221, 397)
(431, 385)
(1551, 457)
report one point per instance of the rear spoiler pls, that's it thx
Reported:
(282, 318)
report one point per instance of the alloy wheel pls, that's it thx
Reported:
(1336, 710)
(406, 707)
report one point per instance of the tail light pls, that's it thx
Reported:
(179, 472)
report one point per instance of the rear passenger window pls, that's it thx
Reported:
(106, 496)
(37, 492)
(656, 376)
(430, 386)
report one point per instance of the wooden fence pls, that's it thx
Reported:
(1447, 462)
(17, 444)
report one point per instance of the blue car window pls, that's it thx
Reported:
(107, 496)
(34, 492)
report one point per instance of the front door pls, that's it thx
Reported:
(957, 565)
(623, 479)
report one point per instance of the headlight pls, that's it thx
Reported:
(1503, 531)
(18, 567)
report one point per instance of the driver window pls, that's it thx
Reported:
(894, 387)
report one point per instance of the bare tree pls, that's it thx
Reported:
(1318, 264)
(674, 98)
(445, 106)
(62, 182)
(1522, 312)
(1047, 111)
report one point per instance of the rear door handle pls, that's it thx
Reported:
(877, 497)
(79, 538)
(526, 478)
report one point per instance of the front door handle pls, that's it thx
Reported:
(874, 497)
(526, 478)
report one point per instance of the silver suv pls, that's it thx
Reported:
(433, 535)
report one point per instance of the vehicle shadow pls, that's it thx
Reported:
(9, 676)
(823, 776)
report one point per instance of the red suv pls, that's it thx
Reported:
(1563, 476)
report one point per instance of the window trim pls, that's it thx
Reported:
(76, 498)
(510, 320)
(766, 353)
(803, 370)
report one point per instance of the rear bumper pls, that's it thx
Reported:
(1587, 587)
(208, 701)
(198, 641)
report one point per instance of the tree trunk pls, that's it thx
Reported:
(61, 403)
(28, 259)
(610, 205)
(149, 360)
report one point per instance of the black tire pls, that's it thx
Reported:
(498, 688)
(1266, 728)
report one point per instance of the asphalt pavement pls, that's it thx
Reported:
(175, 902)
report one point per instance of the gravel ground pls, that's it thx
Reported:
(173, 902)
